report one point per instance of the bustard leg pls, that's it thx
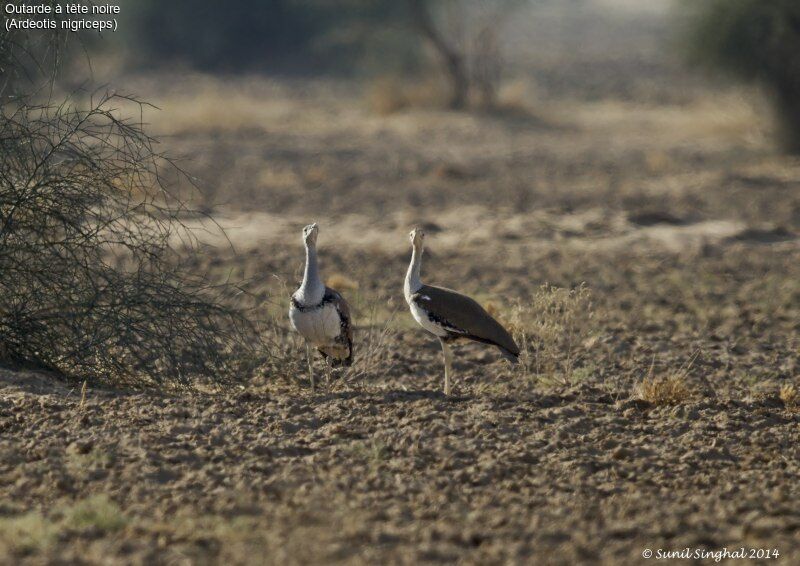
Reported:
(448, 365)
(310, 359)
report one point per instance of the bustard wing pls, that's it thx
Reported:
(463, 315)
(346, 337)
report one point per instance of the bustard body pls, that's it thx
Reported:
(449, 315)
(325, 325)
(320, 314)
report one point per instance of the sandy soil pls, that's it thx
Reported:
(383, 473)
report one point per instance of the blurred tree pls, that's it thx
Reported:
(301, 36)
(470, 53)
(757, 41)
(453, 61)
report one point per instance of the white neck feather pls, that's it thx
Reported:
(413, 283)
(312, 290)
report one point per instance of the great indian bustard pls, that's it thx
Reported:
(320, 314)
(451, 316)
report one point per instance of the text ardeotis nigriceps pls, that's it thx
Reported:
(320, 314)
(451, 316)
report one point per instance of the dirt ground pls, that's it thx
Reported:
(657, 408)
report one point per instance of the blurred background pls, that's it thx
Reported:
(509, 103)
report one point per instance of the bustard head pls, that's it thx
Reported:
(417, 236)
(310, 234)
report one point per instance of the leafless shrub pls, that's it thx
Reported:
(93, 253)
(95, 274)
(554, 332)
(376, 331)
(26, 57)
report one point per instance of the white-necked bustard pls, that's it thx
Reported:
(320, 314)
(451, 316)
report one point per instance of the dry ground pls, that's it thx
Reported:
(657, 408)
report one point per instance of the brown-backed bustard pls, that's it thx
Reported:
(320, 314)
(451, 316)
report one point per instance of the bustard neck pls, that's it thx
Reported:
(413, 283)
(312, 290)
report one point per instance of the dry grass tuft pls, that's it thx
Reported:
(34, 532)
(25, 534)
(376, 330)
(342, 282)
(554, 332)
(670, 390)
(790, 396)
(96, 513)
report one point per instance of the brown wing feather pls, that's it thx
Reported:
(465, 314)
(343, 309)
